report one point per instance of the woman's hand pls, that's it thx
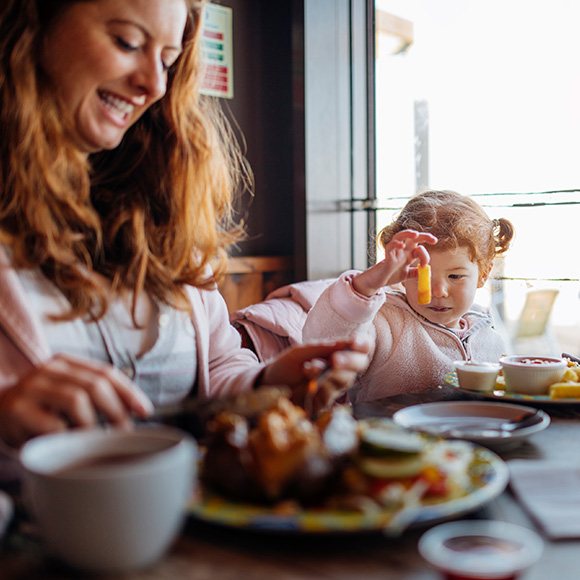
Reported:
(299, 365)
(402, 254)
(68, 392)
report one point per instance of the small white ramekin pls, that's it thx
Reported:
(476, 376)
(531, 374)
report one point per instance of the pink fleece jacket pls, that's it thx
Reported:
(409, 353)
(276, 323)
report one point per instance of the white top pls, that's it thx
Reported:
(159, 355)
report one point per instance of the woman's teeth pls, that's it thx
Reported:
(119, 106)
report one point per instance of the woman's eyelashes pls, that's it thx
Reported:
(126, 45)
(133, 47)
(167, 66)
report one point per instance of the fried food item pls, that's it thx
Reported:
(281, 455)
(499, 382)
(280, 445)
(424, 284)
(569, 386)
(572, 373)
(565, 390)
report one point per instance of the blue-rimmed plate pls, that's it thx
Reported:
(487, 477)
(450, 379)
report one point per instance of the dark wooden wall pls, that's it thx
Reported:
(263, 108)
(303, 101)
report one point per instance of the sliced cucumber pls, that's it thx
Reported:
(390, 468)
(390, 443)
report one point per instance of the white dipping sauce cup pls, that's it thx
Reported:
(115, 514)
(481, 549)
(476, 376)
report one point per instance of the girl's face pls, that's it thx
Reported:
(108, 61)
(454, 281)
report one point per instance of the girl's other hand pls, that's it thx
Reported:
(299, 365)
(402, 255)
(68, 392)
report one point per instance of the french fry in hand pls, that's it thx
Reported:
(424, 284)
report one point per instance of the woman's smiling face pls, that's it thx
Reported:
(108, 61)
(454, 282)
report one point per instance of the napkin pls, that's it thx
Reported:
(550, 492)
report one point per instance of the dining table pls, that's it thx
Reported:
(208, 551)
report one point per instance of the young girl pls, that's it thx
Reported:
(414, 345)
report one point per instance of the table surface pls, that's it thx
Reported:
(207, 552)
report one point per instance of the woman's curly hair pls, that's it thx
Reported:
(150, 215)
(457, 221)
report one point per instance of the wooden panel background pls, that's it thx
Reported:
(250, 279)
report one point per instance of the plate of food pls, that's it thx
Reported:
(565, 392)
(282, 472)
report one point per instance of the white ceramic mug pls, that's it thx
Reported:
(109, 500)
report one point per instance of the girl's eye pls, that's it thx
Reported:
(455, 276)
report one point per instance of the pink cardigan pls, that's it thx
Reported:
(409, 353)
(223, 366)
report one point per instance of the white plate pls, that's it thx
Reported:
(487, 481)
(477, 421)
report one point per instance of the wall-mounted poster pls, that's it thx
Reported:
(217, 50)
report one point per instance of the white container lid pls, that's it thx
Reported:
(480, 548)
(482, 367)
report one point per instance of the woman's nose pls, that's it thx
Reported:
(152, 78)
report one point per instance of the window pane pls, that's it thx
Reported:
(498, 86)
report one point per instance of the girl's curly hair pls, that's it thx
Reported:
(457, 221)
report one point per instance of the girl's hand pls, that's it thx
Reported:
(402, 255)
(297, 366)
(68, 392)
